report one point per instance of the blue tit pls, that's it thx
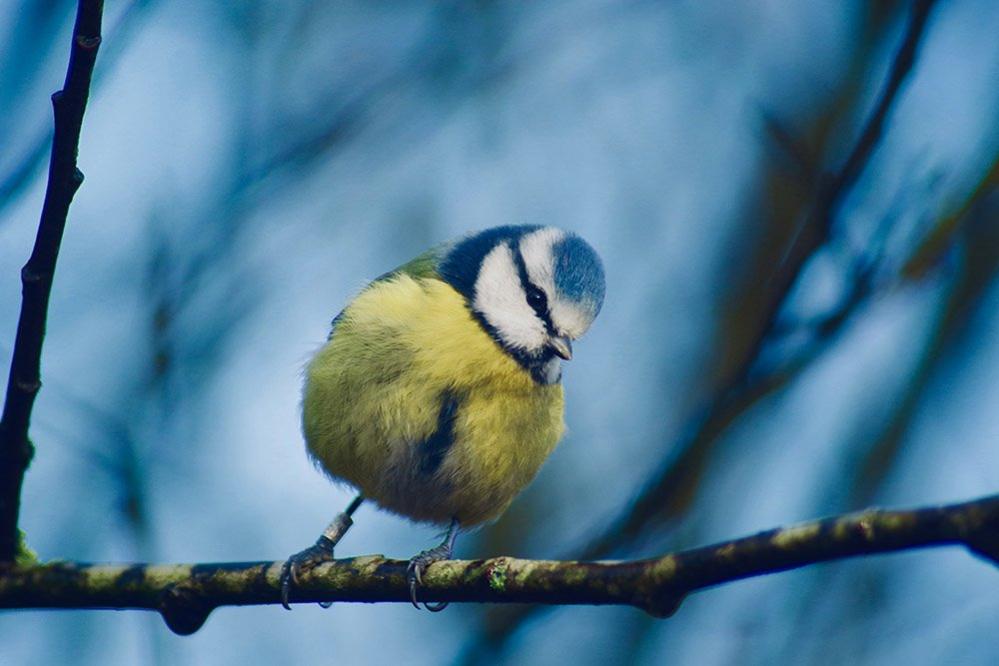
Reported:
(438, 393)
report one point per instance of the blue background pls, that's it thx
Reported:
(250, 165)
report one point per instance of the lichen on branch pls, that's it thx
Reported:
(185, 594)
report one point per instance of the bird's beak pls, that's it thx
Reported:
(561, 345)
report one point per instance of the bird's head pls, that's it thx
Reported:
(534, 289)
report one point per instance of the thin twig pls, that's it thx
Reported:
(64, 179)
(186, 594)
(941, 236)
(665, 491)
(874, 459)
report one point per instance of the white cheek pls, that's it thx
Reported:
(501, 300)
(570, 319)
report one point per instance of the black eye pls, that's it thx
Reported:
(537, 299)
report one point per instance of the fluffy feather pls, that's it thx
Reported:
(501, 299)
(374, 393)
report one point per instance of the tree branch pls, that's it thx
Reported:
(670, 487)
(64, 179)
(185, 594)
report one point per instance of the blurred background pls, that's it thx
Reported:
(783, 337)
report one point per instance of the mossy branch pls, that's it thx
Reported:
(185, 594)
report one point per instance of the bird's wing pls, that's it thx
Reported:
(423, 266)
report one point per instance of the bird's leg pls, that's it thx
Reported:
(418, 565)
(316, 554)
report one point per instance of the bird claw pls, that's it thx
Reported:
(418, 566)
(303, 562)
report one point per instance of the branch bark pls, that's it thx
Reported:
(69, 104)
(185, 594)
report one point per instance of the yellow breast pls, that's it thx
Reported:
(373, 395)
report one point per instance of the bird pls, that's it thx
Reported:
(437, 394)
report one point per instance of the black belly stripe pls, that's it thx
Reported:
(434, 449)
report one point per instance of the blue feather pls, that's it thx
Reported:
(460, 267)
(579, 273)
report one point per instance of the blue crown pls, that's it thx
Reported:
(579, 273)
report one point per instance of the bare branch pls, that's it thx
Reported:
(64, 179)
(186, 594)
(941, 236)
(870, 137)
(669, 488)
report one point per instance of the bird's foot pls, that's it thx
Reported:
(418, 566)
(303, 562)
(316, 554)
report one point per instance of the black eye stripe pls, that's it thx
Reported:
(536, 299)
(540, 306)
(518, 260)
